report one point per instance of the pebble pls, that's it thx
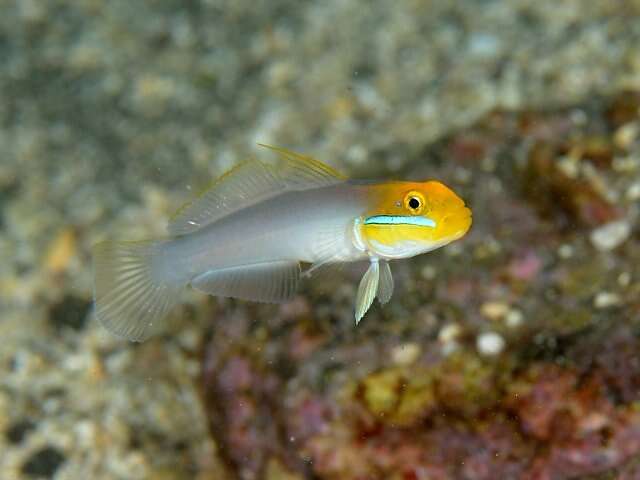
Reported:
(405, 354)
(494, 310)
(514, 318)
(449, 333)
(626, 164)
(633, 192)
(606, 300)
(610, 235)
(448, 336)
(43, 463)
(626, 135)
(490, 343)
(565, 251)
(624, 279)
(61, 251)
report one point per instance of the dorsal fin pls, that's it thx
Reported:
(245, 184)
(302, 172)
(249, 183)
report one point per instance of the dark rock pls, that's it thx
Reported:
(71, 312)
(43, 463)
(19, 430)
(624, 108)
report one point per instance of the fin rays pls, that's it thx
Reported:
(367, 290)
(129, 301)
(385, 288)
(249, 183)
(270, 282)
(377, 281)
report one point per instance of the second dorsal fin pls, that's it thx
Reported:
(250, 183)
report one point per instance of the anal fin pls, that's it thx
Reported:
(270, 282)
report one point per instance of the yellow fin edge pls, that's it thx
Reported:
(208, 188)
(289, 155)
(305, 159)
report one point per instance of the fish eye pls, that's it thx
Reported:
(414, 202)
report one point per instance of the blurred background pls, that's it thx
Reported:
(511, 354)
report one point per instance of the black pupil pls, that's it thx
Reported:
(414, 203)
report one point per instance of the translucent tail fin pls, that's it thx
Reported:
(130, 301)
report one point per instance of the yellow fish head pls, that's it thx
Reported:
(409, 218)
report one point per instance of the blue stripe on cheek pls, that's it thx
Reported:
(400, 220)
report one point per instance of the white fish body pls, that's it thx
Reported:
(319, 228)
(247, 235)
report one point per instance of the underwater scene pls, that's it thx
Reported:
(338, 240)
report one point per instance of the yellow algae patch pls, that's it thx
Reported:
(381, 391)
(418, 400)
(399, 395)
(461, 384)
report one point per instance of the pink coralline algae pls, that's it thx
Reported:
(545, 422)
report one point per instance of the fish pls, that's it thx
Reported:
(248, 235)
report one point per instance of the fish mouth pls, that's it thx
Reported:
(462, 215)
(456, 225)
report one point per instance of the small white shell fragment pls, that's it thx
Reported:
(449, 333)
(624, 279)
(611, 235)
(624, 136)
(633, 192)
(514, 318)
(490, 343)
(405, 354)
(606, 300)
(448, 336)
(565, 251)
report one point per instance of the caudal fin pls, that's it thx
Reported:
(130, 301)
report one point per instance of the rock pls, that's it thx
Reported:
(71, 312)
(43, 463)
(611, 235)
(606, 300)
(494, 310)
(19, 430)
(490, 343)
(61, 251)
(405, 354)
(626, 135)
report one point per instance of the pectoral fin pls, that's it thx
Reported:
(367, 290)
